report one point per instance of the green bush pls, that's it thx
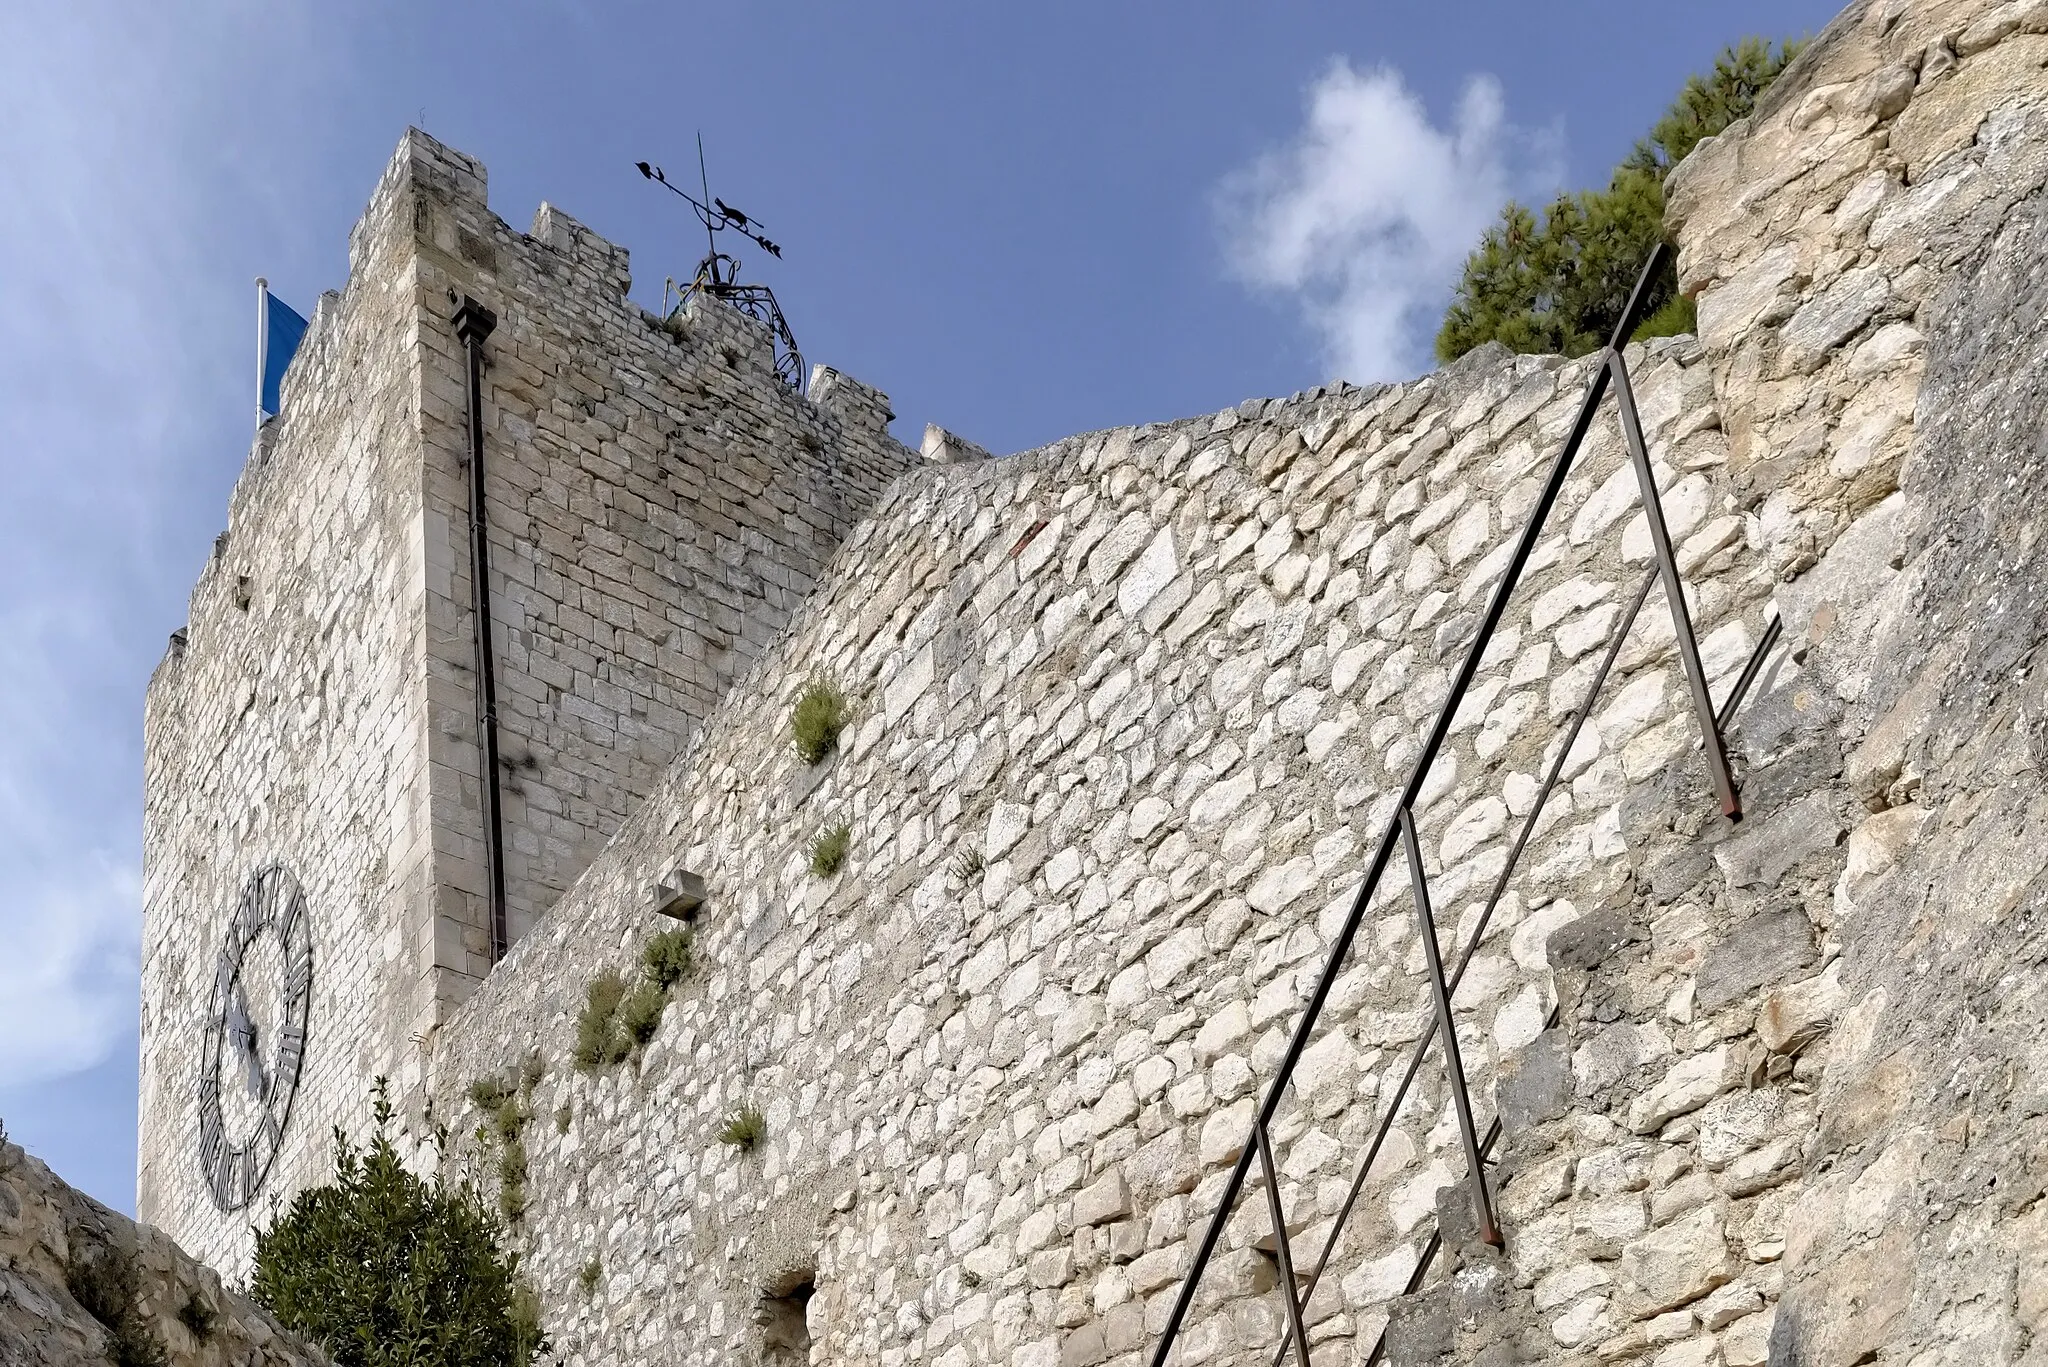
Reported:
(386, 1269)
(817, 720)
(1677, 318)
(669, 957)
(828, 851)
(1559, 283)
(599, 1041)
(744, 1128)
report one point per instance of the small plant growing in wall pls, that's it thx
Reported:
(591, 1276)
(669, 957)
(102, 1278)
(617, 1020)
(507, 1106)
(197, 1317)
(828, 851)
(599, 1040)
(640, 1012)
(817, 720)
(744, 1129)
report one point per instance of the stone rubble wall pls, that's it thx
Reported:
(1778, 1075)
(659, 502)
(1130, 710)
(47, 1230)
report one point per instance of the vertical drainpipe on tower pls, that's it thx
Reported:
(473, 323)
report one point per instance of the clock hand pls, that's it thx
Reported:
(244, 1030)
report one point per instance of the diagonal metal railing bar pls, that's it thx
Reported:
(1454, 1063)
(1749, 672)
(1283, 1253)
(1612, 368)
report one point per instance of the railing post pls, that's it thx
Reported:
(1282, 1253)
(1482, 1200)
(1674, 589)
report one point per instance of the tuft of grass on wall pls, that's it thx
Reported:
(197, 1317)
(1677, 317)
(599, 1041)
(640, 1012)
(817, 720)
(744, 1129)
(591, 1276)
(828, 851)
(104, 1279)
(669, 957)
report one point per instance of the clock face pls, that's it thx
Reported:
(255, 1035)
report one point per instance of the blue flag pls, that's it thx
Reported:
(278, 333)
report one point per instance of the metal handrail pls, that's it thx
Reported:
(1400, 825)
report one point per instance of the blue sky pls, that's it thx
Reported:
(1020, 221)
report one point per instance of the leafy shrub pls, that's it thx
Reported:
(817, 720)
(599, 1041)
(744, 1128)
(102, 1278)
(197, 1316)
(828, 851)
(669, 957)
(383, 1268)
(640, 1013)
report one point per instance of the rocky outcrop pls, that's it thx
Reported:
(82, 1286)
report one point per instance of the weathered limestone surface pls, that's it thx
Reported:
(1129, 712)
(47, 1230)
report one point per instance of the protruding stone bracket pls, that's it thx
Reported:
(678, 893)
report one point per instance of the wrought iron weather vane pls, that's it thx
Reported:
(718, 273)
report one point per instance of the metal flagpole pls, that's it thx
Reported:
(262, 344)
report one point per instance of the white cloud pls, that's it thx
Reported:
(67, 981)
(1364, 219)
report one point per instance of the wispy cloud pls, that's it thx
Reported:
(1364, 218)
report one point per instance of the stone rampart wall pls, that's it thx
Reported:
(1129, 712)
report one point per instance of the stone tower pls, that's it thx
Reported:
(655, 504)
